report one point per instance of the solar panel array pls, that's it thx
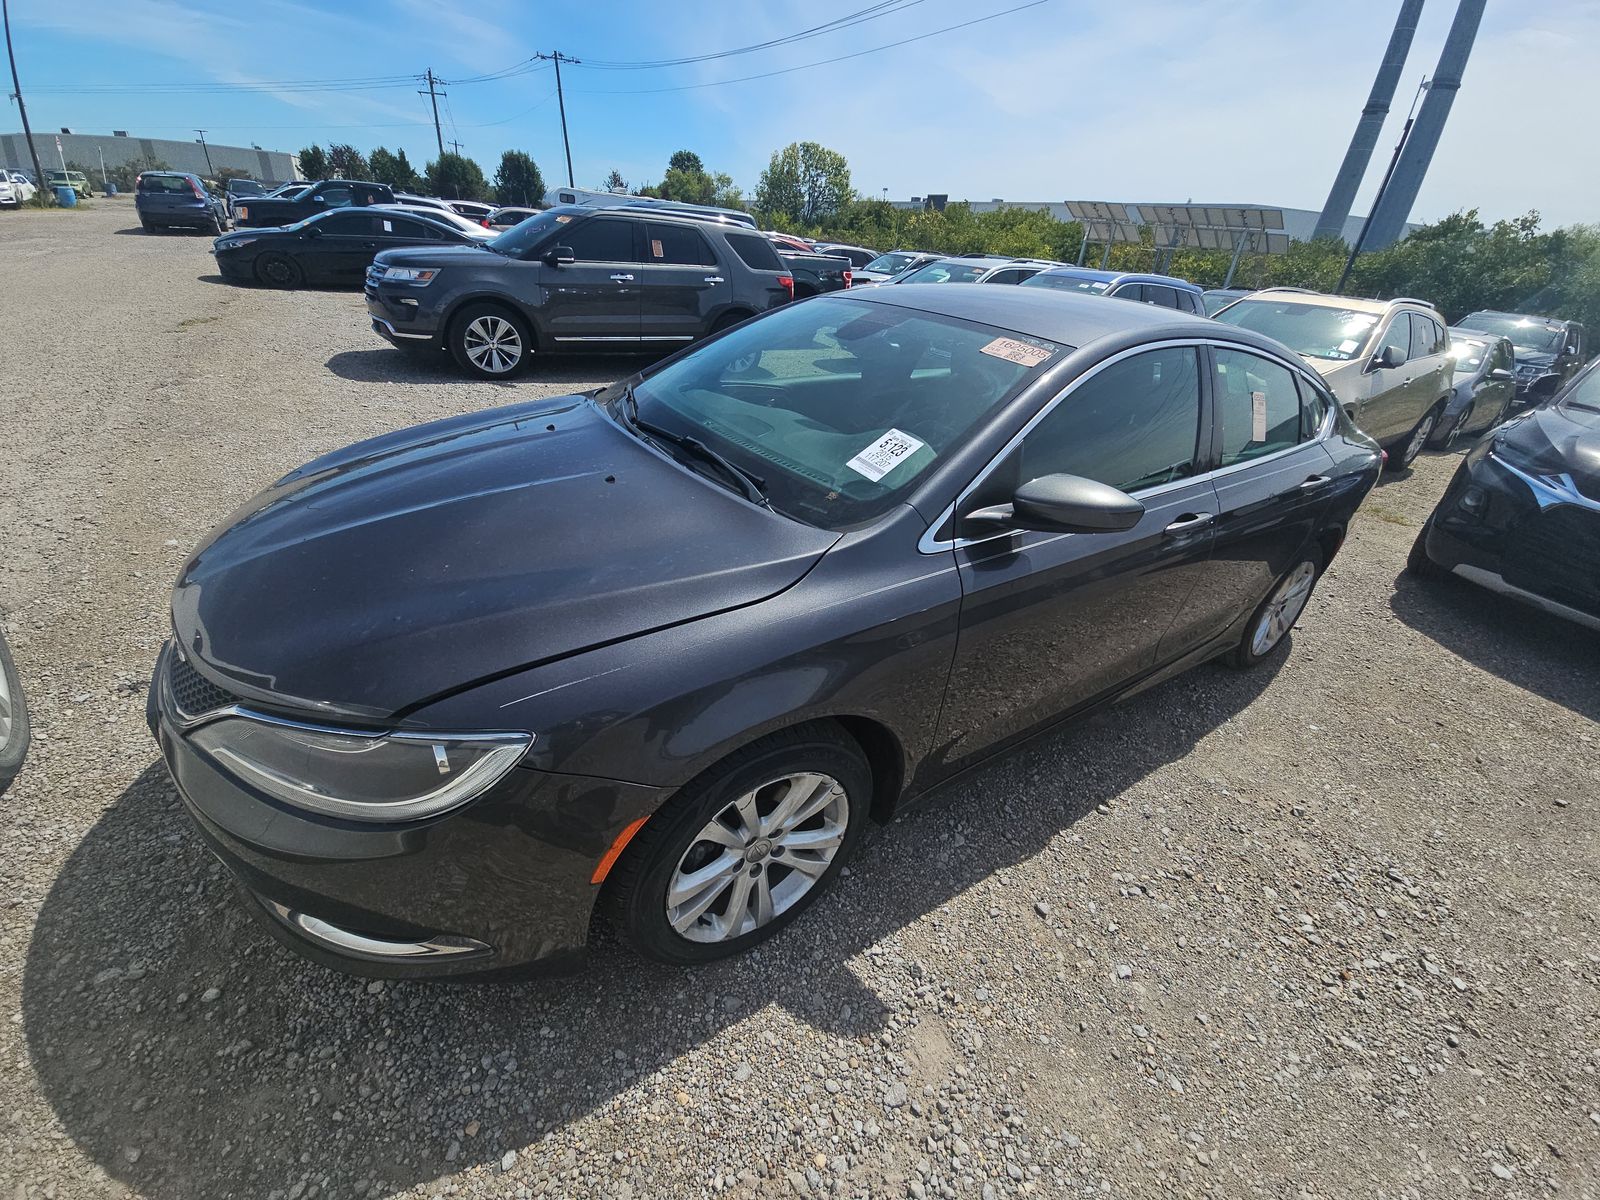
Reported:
(1189, 226)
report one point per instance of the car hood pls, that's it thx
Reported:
(430, 256)
(1555, 440)
(1541, 359)
(413, 565)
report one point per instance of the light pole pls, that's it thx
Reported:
(210, 170)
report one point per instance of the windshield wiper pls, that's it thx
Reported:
(753, 487)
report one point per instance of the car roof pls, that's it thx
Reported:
(1326, 300)
(1109, 277)
(1495, 312)
(1054, 315)
(1487, 335)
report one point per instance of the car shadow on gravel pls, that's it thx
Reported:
(1527, 648)
(387, 364)
(191, 1056)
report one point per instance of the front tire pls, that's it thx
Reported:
(489, 341)
(744, 849)
(1268, 629)
(14, 725)
(1448, 433)
(1417, 562)
(279, 271)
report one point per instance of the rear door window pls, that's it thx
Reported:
(677, 245)
(1160, 296)
(1259, 405)
(602, 239)
(1009, 275)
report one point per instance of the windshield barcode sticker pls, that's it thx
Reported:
(884, 455)
(1014, 351)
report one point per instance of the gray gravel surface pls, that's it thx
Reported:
(1326, 929)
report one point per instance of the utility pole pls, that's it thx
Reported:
(433, 95)
(27, 132)
(558, 58)
(1377, 201)
(210, 170)
(456, 147)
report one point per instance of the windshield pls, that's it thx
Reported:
(1584, 393)
(1468, 353)
(245, 187)
(1067, 283)
(1214, 301)
(943, 272)
(839, 405)
(1526, 333)
(1315, 330)
(519, 239)
(891, 263)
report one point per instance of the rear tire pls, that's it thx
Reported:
(279, 271)
(1267, 632)
(714, 871)
(1406, 450)
(489, 341)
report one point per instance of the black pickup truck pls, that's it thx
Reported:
(309, 200)
(815, 273)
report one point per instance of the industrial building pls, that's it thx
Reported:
(117, 148)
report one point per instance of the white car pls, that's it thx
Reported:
(15, 190)
(445, 216)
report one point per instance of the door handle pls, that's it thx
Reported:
(714, 279)
(1189, 523)
(622, 279)
(1316, 483)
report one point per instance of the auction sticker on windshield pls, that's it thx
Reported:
(1014, 351)
(885, 454)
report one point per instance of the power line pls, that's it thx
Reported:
(689, 87)
(871, 13)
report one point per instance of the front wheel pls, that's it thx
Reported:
(743, 850)
(489, 341)
(14, 726)
(279, 270)
(1269, 625)
(1448, 432)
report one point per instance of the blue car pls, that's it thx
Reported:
(1164, 291)
(174, 199)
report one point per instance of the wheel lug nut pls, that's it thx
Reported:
(755, 870)
(777, 851)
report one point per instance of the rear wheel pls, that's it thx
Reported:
(1418, 562)
(1411, 445)
(743, 850)
(1268, 630)
(279, 270)
(489, 341)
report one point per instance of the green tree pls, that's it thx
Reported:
(685, 186)
(804, 182)
(456, 177)
(313, 163)
(394, 169)
(517, 180)
(615, 182)
(346, 162)
(686, 160)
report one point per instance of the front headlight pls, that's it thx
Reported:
(361, 776)
(420, 276)
(234, 243)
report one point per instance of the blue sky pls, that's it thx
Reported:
(1241, 101)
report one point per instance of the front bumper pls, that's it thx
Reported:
(1533, 539)
(502, 884)
(397, 314)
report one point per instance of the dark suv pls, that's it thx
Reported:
(1549, 350)
(575, 278)
(173, 198)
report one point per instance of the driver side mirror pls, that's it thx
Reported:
(560, 256)
(1065, 504)
(1389, 357)
(1501, 375)
(313, 231)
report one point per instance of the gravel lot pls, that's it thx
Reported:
(1324, 930)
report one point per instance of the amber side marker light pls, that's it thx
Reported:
(617, 847)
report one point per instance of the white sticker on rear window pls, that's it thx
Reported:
(1258, 416)
(388, 227)
(1014, 351)
(884, 455)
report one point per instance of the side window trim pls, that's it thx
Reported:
(931, 544)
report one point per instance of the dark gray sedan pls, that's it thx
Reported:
(666, 650)
(1485, 384)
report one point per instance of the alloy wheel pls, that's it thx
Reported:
(280, 272)
(1454, 435)
(492, 344)
(1419, 438)
(758, 857)
(7, 712)
(1283, 609)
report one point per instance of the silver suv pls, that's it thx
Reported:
(1387, 361)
